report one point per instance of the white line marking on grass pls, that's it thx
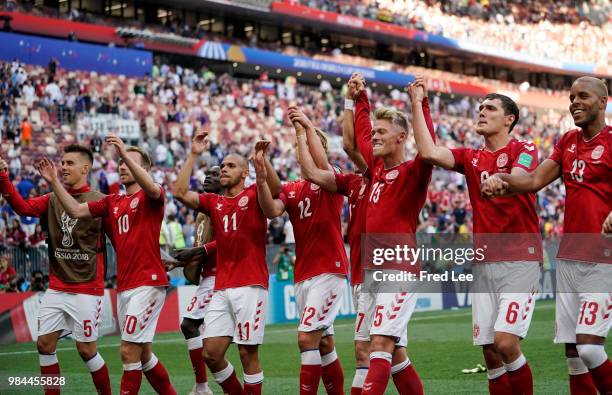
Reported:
(268, 330)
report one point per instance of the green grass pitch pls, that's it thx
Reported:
(440, 345)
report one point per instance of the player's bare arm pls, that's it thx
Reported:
(142, 177)
(427, 148)
(500, 184)
(324, 178)
(47, 170)
(348, 130)
(317, 151)
(607, 225)
(271, 207)
(273, 180)
(181, 187)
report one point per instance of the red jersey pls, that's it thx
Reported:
(353, 186)
(210, 264)
(37, 207)
(586, 168)
(133, 223)
(240, 229)
(508, 215)
(398, 194)
(315, 216)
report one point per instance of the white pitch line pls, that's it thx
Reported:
(273, 330)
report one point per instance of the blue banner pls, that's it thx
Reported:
(74, 55)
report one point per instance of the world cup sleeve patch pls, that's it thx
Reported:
(525, 159)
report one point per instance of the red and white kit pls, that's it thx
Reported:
(201, 299)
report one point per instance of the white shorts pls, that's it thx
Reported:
(502, 308)
(76, 313)
(388, 314)
(362, 325)
(201, 299)
(318, 300)
(583, 312)
(138, 310)
(239, 313)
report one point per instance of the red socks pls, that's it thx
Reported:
(602, 376)
(499, 382)
(197, 361)
(49, 366)
(131, 379)
(253, 383)
(406, 379)
(310, 371)
(158, 377)
(332, 374)
(520, 376)
(378, 374)
(227, 379)
(99, 374)
(580, 380)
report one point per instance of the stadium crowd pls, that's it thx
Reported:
(561, 30)
(52, 106)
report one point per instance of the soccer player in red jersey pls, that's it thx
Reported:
(321, 263)
(73, 301)
(501, 314)
(398, 189)
(237, 310)
(204, 252)
(133, 221)
(583, 158)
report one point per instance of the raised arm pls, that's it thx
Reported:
(271, 207)
(520, 182)
(423, 130)
(324, 178)
(73, 208)
(317, 151)
(181, 187)
(32, 207)
(142, 177)
(272, 179)
(348, 131)
(363, 124)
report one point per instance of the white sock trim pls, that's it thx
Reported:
(400, 366)
(47, 359)
(593, 355)
(516, 365)
(359, 379)
(132, 366)
(224, 374)
(328, 359)
(575, 366)
(492, 374)
(253, 378)
(310, 357)
(151, 364)
(96, 363)
(194, 343)
(381, 355)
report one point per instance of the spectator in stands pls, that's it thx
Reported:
(176, 233)
(284, 261)
(26, 132)
(38, 281)
(15, 235)
(7, 272)
(38, 238)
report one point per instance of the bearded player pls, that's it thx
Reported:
(204, 255)
(583, 158)
(503, 309)
(237, 310)
(133, 221)
(73, 301)
(321, 263)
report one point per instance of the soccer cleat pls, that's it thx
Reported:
(478, 369)
(195, 391)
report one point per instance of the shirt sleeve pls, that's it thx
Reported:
(99, 208)
(363, 129)
(161, 198)
(211, 247)
(428, 120)
(32, 207)
(459, 155)
(527, 158)
(205, 202)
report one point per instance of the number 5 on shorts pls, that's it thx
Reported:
(378, 317)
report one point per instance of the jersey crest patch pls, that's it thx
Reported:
(243, 201)
(597, 152)
(134, 203)
(392, 175)
(502, 160)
